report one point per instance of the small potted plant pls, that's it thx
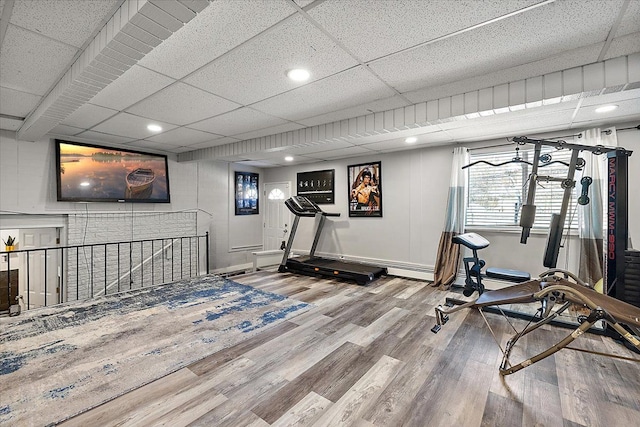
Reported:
(9, 244)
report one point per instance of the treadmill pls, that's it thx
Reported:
(316, 266)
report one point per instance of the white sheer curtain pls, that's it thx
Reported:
(449, 253)
(591, 216)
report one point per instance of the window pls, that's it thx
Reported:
(276, 194)
(497, 193)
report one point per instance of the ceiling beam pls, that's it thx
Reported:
(132, 32)
(613, 75)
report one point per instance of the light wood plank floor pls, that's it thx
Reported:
(365, 356)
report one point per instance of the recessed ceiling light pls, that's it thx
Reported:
(298, 75)
(411, 140)
(289, 159)
(85, 184)
(154, 128)
(606, 108)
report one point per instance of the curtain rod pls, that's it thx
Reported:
(607, 131)
(578, 135)
(490, 146)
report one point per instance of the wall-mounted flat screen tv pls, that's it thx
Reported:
(92, 173)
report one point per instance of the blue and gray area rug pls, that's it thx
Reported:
(59, 361)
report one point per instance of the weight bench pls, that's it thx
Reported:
(473, 265)
(549, 290)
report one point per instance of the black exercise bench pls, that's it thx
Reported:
(473, 265)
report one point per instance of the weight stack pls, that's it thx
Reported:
(631, 292)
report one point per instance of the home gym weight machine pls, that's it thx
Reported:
(617, 307)
(619, 283)
(617, 214)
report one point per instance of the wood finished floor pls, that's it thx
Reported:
(365, 356)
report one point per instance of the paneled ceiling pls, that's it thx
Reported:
(212, 74)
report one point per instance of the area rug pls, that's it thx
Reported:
(59, 361)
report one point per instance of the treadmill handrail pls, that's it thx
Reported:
(307, 208)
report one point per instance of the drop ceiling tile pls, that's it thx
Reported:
(341, 153)
(344, 90)
(237, 121)
(400, 24)
(88, 115)
(30, 62)
(81, 18)
(629, 107)
(223, 25)
(357, 111)
(630, 22)
(65, 130)
(101, 137)
(178, 150)
(621, 46)
(183, 136)
(303, 3)
(212, 143)
(16, 103)
(143, 143)
(10, 124)
(260, 163)
(130, 126)
(566, 60)
(126, 90)
(182, 104)
(273, 130)
(503, 44)
(257, 69)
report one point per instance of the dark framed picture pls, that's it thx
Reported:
(365, 189)
(246, 188)
(317, 186)
(93, 173)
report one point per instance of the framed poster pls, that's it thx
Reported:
(317, 186)
(246, 185)
(365, 189)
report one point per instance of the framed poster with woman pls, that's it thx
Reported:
(365, 189)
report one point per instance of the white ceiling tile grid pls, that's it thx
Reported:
(295, 44)
(220, 27)
(182, 104)
(213, 73)
(126, 90)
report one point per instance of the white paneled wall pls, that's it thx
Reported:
(415, 185)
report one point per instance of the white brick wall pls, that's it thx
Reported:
(120, 227)
(120, 266)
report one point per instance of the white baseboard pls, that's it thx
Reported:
(238, 268)
(411, 274)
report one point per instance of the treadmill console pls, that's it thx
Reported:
(301, 206)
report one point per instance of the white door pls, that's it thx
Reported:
(277, 218)
(37, 286)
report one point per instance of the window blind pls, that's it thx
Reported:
(497, 193)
